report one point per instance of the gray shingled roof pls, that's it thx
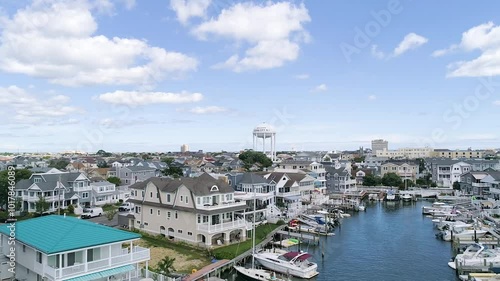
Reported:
(251, 178)
(199, 186)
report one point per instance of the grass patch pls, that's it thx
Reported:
(232, 251)
(180, 247)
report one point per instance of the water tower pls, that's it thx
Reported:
(265, 132)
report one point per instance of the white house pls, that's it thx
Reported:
(60, 248)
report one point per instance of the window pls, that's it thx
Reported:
(137, 209)
(214, 188)
(180, 231)
(24, 248)
(198, 200)
(157, 195)
(190, 233)
(158, 212)
(176, 215)
(199, 219)
(168, 198)
(36, 180)
(187, 201)
(151, 194)
(85, 195)
(182, 198)
(151, 211)
(168, 215)
(39, 257)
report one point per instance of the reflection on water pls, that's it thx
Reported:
(391, 241)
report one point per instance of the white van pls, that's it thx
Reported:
(92, 212)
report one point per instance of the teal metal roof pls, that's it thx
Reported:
(103, 274)
(54, 234)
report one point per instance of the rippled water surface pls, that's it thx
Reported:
(388, 242)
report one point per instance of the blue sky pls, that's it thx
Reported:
(129, 75)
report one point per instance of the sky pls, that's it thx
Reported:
(127, 75)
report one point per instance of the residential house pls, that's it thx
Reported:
(406, 170)
(253, 187)
(292, 188)
(104, 192)
(472, 183)
(361, 174)
(339, 179)
(493, 180)
(374, 162)
(131, 174)
(309, 156)
(200, 210)
(71, 249)
(59, 189)
(312, 168)
(446, 171)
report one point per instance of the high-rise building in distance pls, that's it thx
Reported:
(379, 144)
(184, 148)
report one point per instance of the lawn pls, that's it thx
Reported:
(186, 257)
(232, 251)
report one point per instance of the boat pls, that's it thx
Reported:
(406, 197)
(428, 210)
(391, 195)
(463, 231)
(293, 263)
(253, 273)
(476, 255)
(362, 208)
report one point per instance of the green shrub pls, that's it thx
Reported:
(71, 209)
(280, 222)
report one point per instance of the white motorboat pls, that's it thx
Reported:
(406, 197)
(391, 195)
(291, 263)
(362, 208)
(476, 254)
(468, 231)
(428, 210)
(259, 274)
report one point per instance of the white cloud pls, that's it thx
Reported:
(410, 41)
(24, 107)
(484, 38)
(207, 110)
(442, 52)
(320, 88)
(129, 4)
(377, 53)
(57, 40)
(104, 6)
(186, 9)
(497, 102)
(147, 98)
(273, 30)
(372, 97)
(302, 76)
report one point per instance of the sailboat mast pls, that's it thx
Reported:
(253, 231)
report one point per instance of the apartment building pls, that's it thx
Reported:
(457, 154)
(406, 153)
(378, 145)
(201, 210)
(60, 248)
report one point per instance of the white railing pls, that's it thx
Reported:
(47, 198)
(222, 226)
(138, 254)
(292, 193)
(221, 205)
(480, 184)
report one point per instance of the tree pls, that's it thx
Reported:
(102, 164)
(104, 153)
(115, 180)
(421, 164)
(406, 183)
(165, 266)
(173, 171)
(456, 185)
(391, 179)
(4, 182)
(41, 206)
(434, 184)
(110, 215)
(251, 157)
(371, 180)
(59, 164)
(167, 160)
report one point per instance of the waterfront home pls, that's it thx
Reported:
(406, 170)
(60, 189)
(339, 179)
(200, 210)
(484, 183)
(312, 168)
(57, 248)
(446, 171)
(292, 188)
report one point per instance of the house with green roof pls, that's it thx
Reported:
(60, 248)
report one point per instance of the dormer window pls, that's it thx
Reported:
(214, 188)
(35, 180)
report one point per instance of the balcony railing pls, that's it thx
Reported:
(221, 205)
(47, 198)
(222, 226)
(138, 254)
(286, 194)
(480, 184)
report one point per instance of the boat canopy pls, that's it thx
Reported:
(302, 256)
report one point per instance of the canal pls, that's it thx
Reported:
(388, 242)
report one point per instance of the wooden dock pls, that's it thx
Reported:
(209, 270)
(310, 238)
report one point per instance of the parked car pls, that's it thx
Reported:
(126, 207)
(92, 213)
